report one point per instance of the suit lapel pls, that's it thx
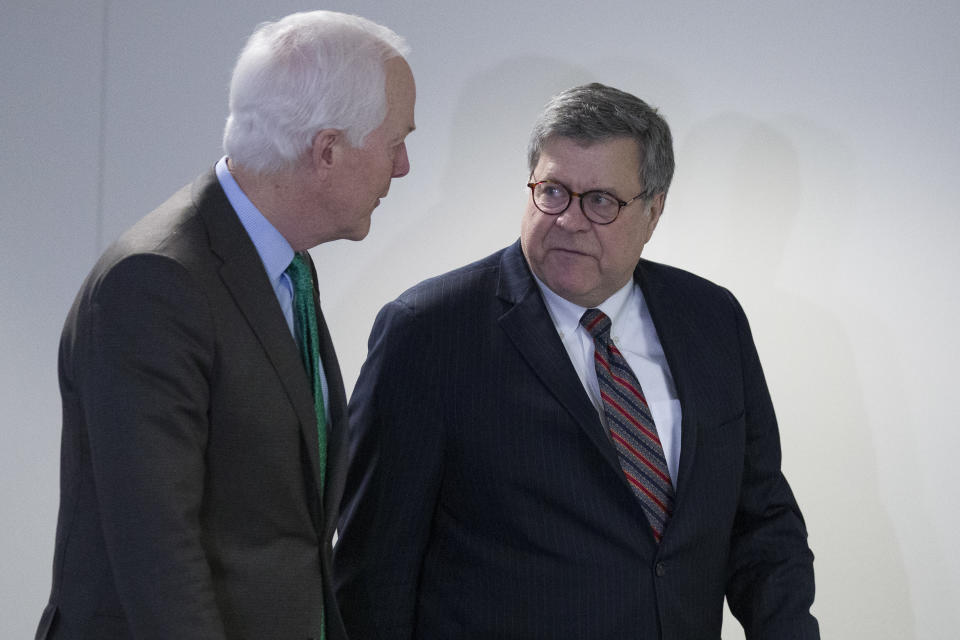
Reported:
(674, 331)
(529, 326)
(243, 274)
(527, 322)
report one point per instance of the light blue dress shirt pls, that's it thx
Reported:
(274, 250)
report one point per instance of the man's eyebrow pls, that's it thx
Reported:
(400, 136)
(549, 178)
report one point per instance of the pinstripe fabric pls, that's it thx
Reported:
(631, 425)
(485, 500)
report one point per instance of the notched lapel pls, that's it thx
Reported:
(243, 275)
(527, 322)
(673, 330)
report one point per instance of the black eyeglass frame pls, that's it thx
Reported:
(571, 194)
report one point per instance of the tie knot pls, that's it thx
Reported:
(596, 323)
(299, 271)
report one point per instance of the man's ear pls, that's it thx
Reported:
(325, 148)
(656, 209)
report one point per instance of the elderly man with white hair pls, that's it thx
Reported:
(203, 408)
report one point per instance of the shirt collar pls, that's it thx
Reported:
(566, 315)
(275, 252)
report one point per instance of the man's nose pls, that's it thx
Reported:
(573, 218)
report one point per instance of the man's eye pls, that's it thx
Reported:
(601, 199)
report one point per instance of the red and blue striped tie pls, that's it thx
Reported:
(631, 425)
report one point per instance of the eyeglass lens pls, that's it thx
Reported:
(553, 198)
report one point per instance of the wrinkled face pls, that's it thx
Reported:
(580, 261)
(364, 175)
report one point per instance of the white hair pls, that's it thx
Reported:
(307, 72)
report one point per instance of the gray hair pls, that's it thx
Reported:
(307, 72)
(596, 113)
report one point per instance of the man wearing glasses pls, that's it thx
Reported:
(564, 440)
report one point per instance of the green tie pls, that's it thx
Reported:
(308, 334)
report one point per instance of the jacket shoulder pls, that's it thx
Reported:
(176, 230)
(656, 279)
(468, 284)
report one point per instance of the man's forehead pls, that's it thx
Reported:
(588, 161)
(401, 97)
(586, 144)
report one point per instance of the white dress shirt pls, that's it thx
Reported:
(633, 332)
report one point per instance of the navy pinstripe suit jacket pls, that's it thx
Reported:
(484, 499)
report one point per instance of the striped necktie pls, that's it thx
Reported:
(631, 425)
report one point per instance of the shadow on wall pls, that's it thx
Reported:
(483, 185)
(755, 206)
(746, 193)
(480, 198)
(483, 189)
(751, 197)
(477, 205)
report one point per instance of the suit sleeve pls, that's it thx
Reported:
(145, 371)
(770, 585)
(396, 452)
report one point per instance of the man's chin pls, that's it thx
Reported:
(583, 289)
(361, 232)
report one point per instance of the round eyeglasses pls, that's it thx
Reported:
(599, 207)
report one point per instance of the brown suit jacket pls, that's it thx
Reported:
(189, 479)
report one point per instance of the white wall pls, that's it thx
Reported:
(817, 161)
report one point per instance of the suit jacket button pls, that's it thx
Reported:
(661, 569)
